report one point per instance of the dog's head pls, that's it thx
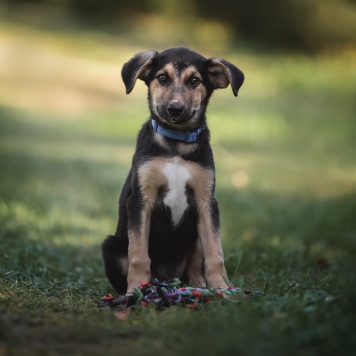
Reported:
(180, 83)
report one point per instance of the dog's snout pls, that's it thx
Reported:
(175, 109)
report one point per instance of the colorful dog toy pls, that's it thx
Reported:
(164, 295)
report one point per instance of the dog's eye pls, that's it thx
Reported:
(162, 78)
(194, 82)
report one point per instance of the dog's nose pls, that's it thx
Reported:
(175, 109)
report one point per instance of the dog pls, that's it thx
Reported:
(168, 224)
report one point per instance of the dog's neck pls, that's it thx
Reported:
(187, 137)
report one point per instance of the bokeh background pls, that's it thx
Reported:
(285, 153)
(60, 62)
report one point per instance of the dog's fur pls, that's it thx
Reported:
(168, 217)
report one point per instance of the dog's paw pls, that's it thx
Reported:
(132, 285)
(198, 282)
(216, 281)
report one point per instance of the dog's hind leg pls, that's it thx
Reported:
(115, 258)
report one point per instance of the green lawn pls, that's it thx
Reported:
(285, 153)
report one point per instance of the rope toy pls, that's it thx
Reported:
(166, 294)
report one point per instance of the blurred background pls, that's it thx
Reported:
(68, 53)
(285, 147)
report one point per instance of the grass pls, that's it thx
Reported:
(286, 184)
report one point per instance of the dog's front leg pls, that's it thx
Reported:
(139, 270)
(209, 234)
(195, 262)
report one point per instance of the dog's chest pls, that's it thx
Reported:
(177, 175)
(172, 182)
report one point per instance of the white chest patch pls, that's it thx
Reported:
(177, 176)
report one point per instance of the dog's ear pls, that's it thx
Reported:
(222, 73)
(137, 67)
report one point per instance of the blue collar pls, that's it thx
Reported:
(187, 137)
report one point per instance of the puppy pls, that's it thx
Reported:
(168, 217)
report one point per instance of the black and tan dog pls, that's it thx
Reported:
(168, 217)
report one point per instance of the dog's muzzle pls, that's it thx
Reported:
(175, 113)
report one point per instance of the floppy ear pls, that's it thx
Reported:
(137, 67)
(222, 73)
